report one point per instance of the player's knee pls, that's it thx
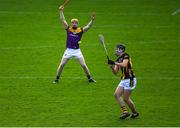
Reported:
(116, 95)
(62, 64)
(126, 99)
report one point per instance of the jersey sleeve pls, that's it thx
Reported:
(126, 56)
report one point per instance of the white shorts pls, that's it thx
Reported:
(126, 84)
(70, 53)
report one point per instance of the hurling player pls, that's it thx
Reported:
(74, 35)
(127, 83)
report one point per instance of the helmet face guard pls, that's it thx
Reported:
(120, 48)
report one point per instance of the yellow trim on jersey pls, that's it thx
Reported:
(130, 62)
(78, 30)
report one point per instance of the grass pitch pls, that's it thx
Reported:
(32, 42)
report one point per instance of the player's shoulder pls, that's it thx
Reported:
(126, 56)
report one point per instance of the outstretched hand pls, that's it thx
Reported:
(93, 15)
(61, 8)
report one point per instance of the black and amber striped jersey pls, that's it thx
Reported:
(127, 72)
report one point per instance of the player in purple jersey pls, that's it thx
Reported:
(74, 34)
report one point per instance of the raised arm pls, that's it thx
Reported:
(88, 26)
(62, 18)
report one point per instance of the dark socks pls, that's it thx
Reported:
(57, 77)
(89, 77)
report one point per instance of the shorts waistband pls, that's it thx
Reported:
(72, 48)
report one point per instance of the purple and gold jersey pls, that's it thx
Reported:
(73, 37)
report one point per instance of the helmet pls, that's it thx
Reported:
(74, 20)
(121, 46)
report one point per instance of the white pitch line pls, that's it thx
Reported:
(176, 12)
(21, 48)
(134, 26)
(101, 26)
(87, 45)
(80, 78)
(25, 77)
(157, 41)
(84, 44)
(115, 14)
(41, 47)
(87, 13)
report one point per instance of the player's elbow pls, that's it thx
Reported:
(63, 20)
(115, 72)
(85, 29)
(116, 95)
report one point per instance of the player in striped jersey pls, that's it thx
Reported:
(127, 83)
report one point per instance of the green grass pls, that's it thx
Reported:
(32, 42)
